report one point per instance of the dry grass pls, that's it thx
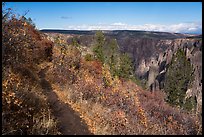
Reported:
(25, 108)
(45, 124)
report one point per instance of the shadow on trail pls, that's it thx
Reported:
(69, 122)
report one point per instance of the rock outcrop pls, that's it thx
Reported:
(152, 82)
(157, 70)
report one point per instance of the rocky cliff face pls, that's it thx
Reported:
(152, 65)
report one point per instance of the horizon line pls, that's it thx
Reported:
(118, 30)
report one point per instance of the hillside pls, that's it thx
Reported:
(144, 47)
(146, 50)
(51, 87)
(120, 33)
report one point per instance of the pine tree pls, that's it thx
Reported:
(126, 68)
(98, 49)
(178, 78)
(113, 57)
(75, 42)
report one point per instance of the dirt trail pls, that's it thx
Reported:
(69, 121)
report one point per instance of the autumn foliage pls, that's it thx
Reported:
(25, 110)
(111, 105)
(107, 103)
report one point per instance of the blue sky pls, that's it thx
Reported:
(184, 17)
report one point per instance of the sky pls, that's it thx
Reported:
(177, 17)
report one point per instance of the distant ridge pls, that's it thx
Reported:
(124, 33)
(86, 32)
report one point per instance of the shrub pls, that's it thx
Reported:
(107, 78)
(23, 45)
(75, 42)
(89, 57)
(190, 103)
(25, 108)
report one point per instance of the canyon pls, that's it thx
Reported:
(151, 53)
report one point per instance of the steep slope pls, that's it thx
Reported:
(120, 108)
(69, 122)
(29, 105)
(151, 53)
(25, 110)
(156, 67)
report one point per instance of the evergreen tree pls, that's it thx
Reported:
(126, 68)
(98, 49)
(113, 57)
(75, 42)
(178, 78)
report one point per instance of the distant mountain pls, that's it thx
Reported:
(195, 36)
(68, 31)
(122, 33)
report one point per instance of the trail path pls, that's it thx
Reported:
(69, 121)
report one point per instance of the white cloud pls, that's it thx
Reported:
(176, 28)
(118, 24)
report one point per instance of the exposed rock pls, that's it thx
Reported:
(142, 68)
(169, 56)
(153, 72)
(192, 48)
(155, 63)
